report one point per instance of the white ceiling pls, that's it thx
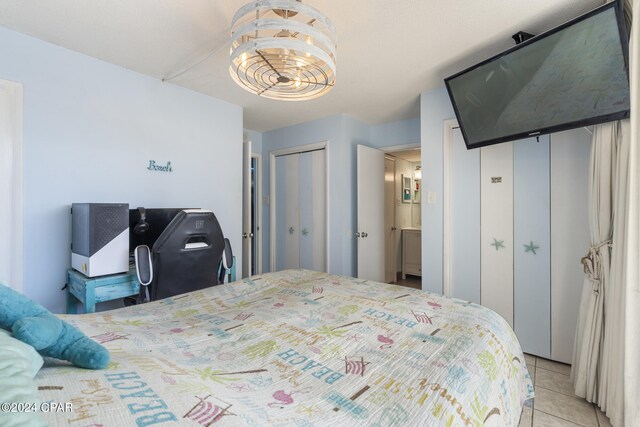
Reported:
(412, 155)
(388, 51)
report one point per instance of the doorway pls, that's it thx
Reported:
(299, 208)
(403, 225)
(256, 214)
(251, 212)
(389, 231)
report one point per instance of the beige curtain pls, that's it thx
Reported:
(597, 263)
(632, 246)
(611, 377)
(606, 361)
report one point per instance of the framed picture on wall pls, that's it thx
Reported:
(416, 190)
(406, 189)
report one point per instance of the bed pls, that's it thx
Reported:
(296, 348)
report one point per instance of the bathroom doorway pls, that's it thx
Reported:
(402, 207)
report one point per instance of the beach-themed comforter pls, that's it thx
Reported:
(295, 348)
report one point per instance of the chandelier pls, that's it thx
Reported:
(283, 49)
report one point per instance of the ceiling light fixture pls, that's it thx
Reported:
(283, 49)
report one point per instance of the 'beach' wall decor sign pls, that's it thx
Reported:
(153, 166)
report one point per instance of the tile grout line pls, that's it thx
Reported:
(535, 385)
(574, 397)
(533, 404)
(563, 393)
(533, 410)
(555, 372)
(564, 419)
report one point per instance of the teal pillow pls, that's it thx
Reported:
(19, 364)
(33, 324)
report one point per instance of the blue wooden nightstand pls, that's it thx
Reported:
(92, 290)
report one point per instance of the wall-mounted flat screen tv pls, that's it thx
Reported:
(571, 76)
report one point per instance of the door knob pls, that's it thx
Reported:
(357, 234)
(393, 228)
(244, 235)
(250, 234)
(364, 234)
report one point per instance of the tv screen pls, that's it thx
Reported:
(157, 218)
(571, 76)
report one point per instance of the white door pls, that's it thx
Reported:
(496, 229)
(11, 184)
(247, 232)
(570, 153)
(390, 220)
(370, 203)
(287, 231)
(300, 194)
(313, 210)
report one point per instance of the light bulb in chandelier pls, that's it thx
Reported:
(283, 49)
(309, 41)
(297, 81)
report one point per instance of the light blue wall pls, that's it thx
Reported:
(435, 107)
(344, 133)
(395, 133)
(256, 140)
(90, 129)
(465, 221)
(354, 133)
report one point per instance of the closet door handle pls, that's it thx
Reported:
(364, 234)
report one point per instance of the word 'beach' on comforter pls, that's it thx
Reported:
(296, 348)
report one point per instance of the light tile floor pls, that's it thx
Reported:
(555, 405)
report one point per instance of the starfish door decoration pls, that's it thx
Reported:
(497, 243)
(531, 248)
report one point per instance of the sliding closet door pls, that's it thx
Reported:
(496, 209)
(313, 210)
(570, 152)
(532, 245)
(465, 220)
(301, 211)
(287, 212)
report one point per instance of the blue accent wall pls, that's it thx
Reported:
(90, 129)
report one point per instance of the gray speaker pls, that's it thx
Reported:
(100, 238)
